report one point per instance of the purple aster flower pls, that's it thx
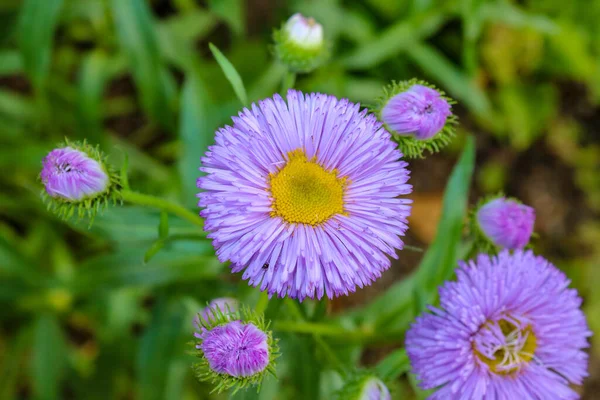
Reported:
(420, 112)
(508, 328)
(235, 349)
(375, 390)
(506, 223)
(304, 196)
(72, 175)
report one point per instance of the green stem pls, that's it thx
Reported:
(162, 204)
(289, 80)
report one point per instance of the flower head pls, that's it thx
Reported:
(299, 44)
(508, 328)
(418, 115)
(363, 385)
(223, 304)
(236, 349)
(76, 178)
(304, 196)
(506, 223)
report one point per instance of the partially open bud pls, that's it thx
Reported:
(364, 386)
(300, 45)
(505, 223)
(224, 305)
(235, 349)
(77, 179)
(418, 115)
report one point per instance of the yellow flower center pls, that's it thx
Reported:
(306, 193)
(517, 349)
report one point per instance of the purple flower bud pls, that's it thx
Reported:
(420, 112)
(506, 223)
(223, 304)
(235, 349)
(374, 389)
(72, 175)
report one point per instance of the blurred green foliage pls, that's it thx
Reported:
(83, 316)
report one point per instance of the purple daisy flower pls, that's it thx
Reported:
(72, 175)
(374, 389)
(235, 349)
(419, 111)
(304, 196)
(506, 223)
(508, 328)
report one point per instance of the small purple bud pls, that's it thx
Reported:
(223, 304)
(235, 349)
(72, 175)
(506, 223)
(419, 111)
(374, 389)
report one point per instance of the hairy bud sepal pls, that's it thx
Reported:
(235, 348)
(418, 115)
(78, 182)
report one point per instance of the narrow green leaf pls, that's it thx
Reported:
(10, 62)
(196, 133)
(394, 365)
(163, 225)
(393, 41)
(155, 248)
(37, 22)
(161, 343)
(231, 74)
(49, 358)
(231, 11)
(137, 35)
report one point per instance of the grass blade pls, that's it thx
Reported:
(231, 74)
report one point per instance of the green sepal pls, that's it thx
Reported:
(217, 317)
(89, 206)
(408, 145)
(297, 58)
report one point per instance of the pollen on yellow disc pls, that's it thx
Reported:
(524, 355)
(305, 192)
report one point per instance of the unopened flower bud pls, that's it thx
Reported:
(300, 45)
(235, 349)
(418, 115)
(77, 179)
(364, 386)
(505, 223)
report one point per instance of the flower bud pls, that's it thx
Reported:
(224, 304)
(364, 386)
(235, 349)
(418, 115)
(77, 179)
(299, 44)
(505, 223)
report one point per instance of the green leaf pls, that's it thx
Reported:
(37, 23)
(49, 358)
(394, 365)
(10, 62)
(196, 133)
(231, 11)
(163, 225)
(231, 74)
(155, 248)
(137, 35)
(161, 343)
(393, 41)
(453, 80)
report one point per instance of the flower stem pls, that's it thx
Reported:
(289, 80)
(162, 204)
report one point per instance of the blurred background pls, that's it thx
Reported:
(82, 316)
